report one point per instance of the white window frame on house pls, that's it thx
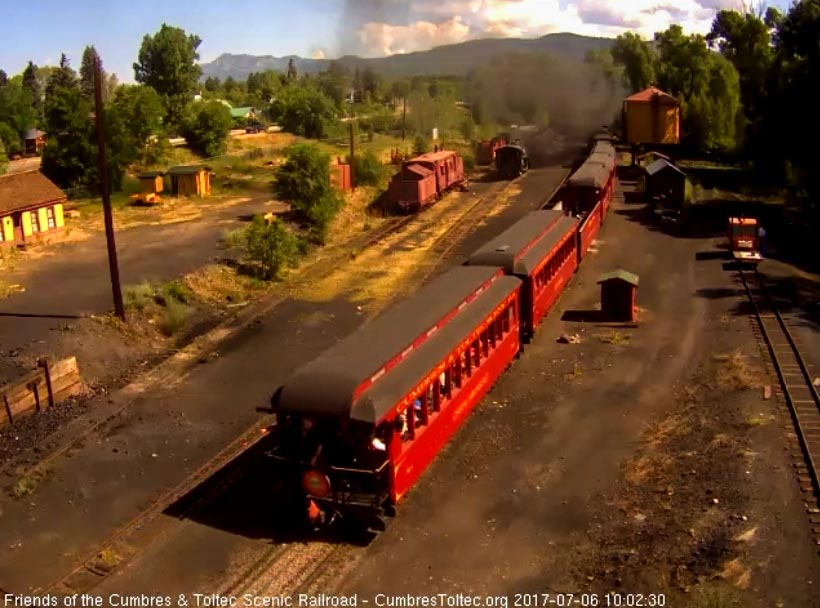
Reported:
(35, 222)
(50, 217)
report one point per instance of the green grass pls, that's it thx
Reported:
(169, 302)
(174, 317)
(138, 297)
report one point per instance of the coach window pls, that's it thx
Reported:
(485, 343)
(457, 371)
(475, 351)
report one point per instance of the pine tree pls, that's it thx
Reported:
(4, 78)
(291, 70)
(32, 85)
(90, 56)
(64, 78)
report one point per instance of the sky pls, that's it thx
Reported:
(40, 30)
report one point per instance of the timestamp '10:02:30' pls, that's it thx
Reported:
(589, 600)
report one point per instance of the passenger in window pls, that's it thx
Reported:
(401, 426)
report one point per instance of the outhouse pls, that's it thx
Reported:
(190, 180)
(619, 290)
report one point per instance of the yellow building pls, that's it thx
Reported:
(31, 207)
(190, 180)
(651, 117)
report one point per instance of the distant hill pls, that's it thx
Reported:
(450, 59)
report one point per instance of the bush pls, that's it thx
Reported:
(367, 170)
(304, 181)
(176, 313)
(4, 159)
(271, 246)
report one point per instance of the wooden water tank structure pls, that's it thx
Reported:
(651, 117)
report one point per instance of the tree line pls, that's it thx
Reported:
(747, 87)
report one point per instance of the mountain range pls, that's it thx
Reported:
(450, 59)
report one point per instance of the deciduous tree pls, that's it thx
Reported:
(206, 128)
(637, 58)
(167, 63)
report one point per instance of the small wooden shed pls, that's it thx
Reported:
(619, 290)
(190, 180)
(151, 182)
(665, 179)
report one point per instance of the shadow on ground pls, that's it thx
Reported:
(247, 497)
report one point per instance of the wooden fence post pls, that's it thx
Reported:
(44, 364)
(33, 388)
(8, 408)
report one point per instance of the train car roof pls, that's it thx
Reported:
(420, 170)
(330, 384)
(433, 156)
(512, 147)
(411, 371)
(592, 174)
(520, 248)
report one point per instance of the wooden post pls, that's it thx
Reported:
(119, 308)
(404, 119)
(44, 364)
(352, 159)
(33, 387)
(8, 408)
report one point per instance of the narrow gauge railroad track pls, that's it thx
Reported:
(447, 244)
(294, 569)
(222, 471)
(798, 391)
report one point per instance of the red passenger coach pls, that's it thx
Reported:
(358, 425)
(539, 249)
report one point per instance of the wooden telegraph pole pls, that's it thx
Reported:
(352, 159)
(404, 118)
(119, 309)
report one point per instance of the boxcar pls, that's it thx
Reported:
(358, 425)
(486, 150)
(413, 187)
(511, 161)
(540, 250)
(425, 178)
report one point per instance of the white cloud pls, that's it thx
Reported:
(386, 39)
(318, 53)
(437, 22)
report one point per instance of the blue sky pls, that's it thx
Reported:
(41, 29)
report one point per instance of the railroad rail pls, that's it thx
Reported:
(797, 387)
(118, 547)
(446, 245)
(209, 482)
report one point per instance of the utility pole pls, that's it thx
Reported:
(352, 159)
(119, 309)
(404, 119)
